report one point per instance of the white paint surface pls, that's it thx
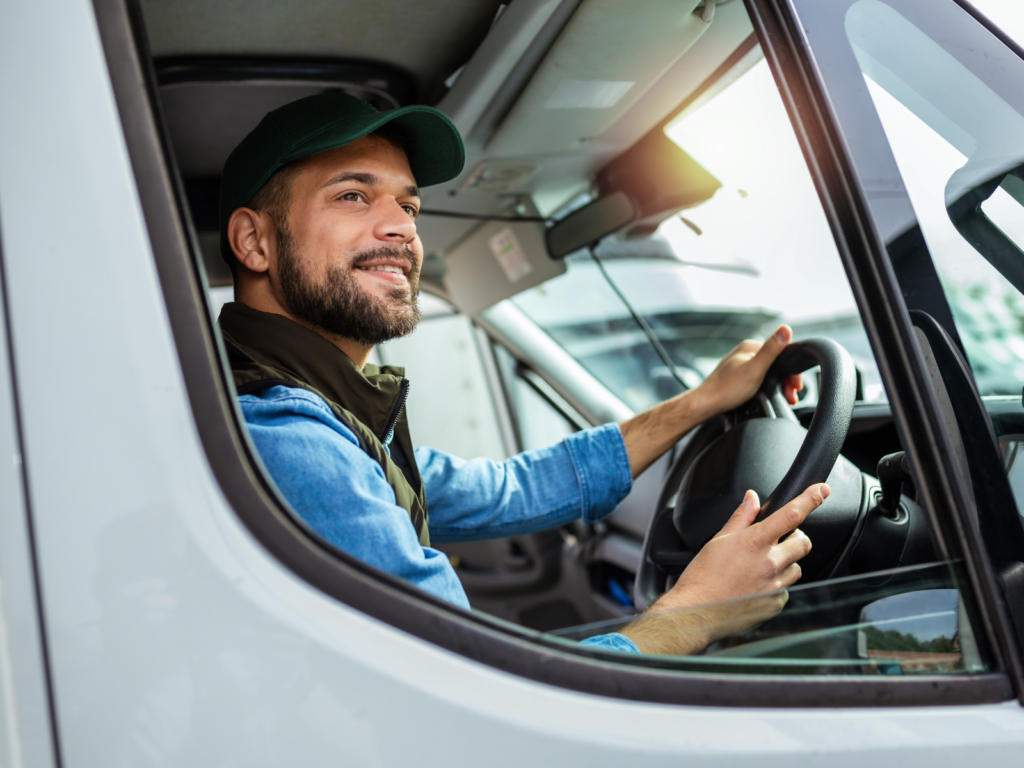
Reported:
(175, 639)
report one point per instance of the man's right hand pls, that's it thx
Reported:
(745, 559)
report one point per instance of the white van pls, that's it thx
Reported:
(854, 168)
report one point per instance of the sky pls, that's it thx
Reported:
(767, 213)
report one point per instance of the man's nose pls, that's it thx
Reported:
(394, 224)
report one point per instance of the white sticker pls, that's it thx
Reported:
(510, 256)
(588, 94)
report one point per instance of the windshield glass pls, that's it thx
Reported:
(757, 254)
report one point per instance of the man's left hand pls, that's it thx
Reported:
(738, 376)
(735, 380)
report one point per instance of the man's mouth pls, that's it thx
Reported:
(393, 271)
(383, 268)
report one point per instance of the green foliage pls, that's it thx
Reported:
(891, 640)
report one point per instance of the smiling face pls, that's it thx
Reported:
(342, 256)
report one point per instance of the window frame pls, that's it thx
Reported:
(918, 415)
(476, 637)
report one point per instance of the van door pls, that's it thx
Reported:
(929, 135)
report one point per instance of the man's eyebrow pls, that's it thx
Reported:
(369, 179)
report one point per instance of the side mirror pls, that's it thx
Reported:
(987, 237)
(924, 631)
(589, 224)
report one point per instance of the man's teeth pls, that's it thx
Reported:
(383, 268)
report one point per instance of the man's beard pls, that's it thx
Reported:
(339, 306)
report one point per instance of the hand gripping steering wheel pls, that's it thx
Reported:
(760, 445)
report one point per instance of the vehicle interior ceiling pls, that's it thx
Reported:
(533, 143)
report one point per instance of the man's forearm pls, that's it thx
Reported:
(690, 629)
(669, 634)
(648, 435)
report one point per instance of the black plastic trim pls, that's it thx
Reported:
(942, 492)
(734, 58)
(477, 637)
(388, 83)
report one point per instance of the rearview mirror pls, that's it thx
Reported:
(586, 225)
(641, 187)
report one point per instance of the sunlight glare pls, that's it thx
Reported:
(767, 213)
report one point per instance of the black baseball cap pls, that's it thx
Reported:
(327, 120)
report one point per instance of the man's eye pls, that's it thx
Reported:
(411, 210)
(352, 197)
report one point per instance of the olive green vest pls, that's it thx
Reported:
(266, 349)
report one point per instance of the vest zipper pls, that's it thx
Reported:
(403, 395)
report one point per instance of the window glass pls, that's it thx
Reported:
(959, 146)
(911, 621)
(757, 254)
(451, 406)
(538, 422)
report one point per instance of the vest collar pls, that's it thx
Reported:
(370, 394)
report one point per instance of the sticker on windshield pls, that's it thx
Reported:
(506, 249)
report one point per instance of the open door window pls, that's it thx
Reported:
(930, 107)
(836, 628)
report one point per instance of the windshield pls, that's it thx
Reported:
(757, 254)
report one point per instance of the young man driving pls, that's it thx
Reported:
(318, 223)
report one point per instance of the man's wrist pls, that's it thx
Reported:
(700, 404)
(675, 632)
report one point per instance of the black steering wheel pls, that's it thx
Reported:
(762, 446)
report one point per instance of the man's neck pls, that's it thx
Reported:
(358, 353)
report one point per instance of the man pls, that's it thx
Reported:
(318, 223)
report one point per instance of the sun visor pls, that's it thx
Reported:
(610, 53)
(497, 260)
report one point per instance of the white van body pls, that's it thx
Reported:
(143, 625)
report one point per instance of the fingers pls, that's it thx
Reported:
(743, 516)
(772, 347)
(793, 385)
(792, 515)
(790, 576)
(794, 547)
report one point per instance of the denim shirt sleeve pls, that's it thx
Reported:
(611, 642)
(339, 491)
(584, 476)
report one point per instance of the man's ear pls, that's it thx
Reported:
(249, 235)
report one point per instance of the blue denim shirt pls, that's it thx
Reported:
(342, 494)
